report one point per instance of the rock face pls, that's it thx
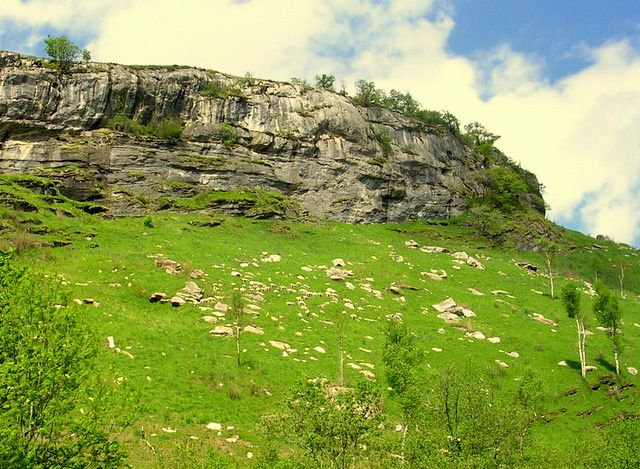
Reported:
(316, 146)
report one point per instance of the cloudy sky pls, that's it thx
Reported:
(559, 80)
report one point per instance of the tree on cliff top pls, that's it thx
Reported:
(63, 52)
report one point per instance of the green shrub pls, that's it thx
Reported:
(227, 134)
(382, 136)
(166, 129)
(213, 89)
(54, 412)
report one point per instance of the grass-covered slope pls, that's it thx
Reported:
(188, 378)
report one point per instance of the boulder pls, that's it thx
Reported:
(279, 345)
(444, 305)
(222, 331)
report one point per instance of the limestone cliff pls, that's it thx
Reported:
(338, 160)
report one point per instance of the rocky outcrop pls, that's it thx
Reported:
(336, 159)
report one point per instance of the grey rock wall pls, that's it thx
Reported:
(315, 146)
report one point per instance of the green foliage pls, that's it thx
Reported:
(52, 412)
(606, 307)
(63, 52)
(332, 424)
(480, 134)
(213, 89)
(368, 95)
(384, 138)
(167, 129)
(227, 134)
(326, 82)
(504, 186)
(570, 297)
(148, 222)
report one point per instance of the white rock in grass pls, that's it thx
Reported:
(253, 329)
(494, 340)
(444, 305)
(475, 335)
(222, 331)
(249, 455)
(168, 430)
(460, 255)
(436, 349)
(563, 363)
(475, 292)
(368, 374)
(279, 345)
(319, 349)
(502, 364)
(215, 426)
(338, 262)
(111, 342)
(633, 371)
(590, 368)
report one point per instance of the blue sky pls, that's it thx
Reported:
(556, 31)
(558, 80)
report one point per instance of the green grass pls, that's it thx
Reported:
(184, 374)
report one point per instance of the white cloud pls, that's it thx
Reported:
(580, 136)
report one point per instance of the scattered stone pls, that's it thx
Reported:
(472, 262)
(475, 335)
(434, 250)
(157, 296)
(254, 330)
(411, 244)
(494, 340)
(563, 363)
(432, 276)
(444, 305)
(540, 318)
(222, 331)
(223, 308)
(355, 366)
(177, 301)
(511, 354)
(335, 273)
(169, 266)
(475, 292)
(249, 455)
(279, 345)
(168, 430)
(502, 364)
(210, 319)
(110, 342)
(91, 301)
(633, 371)
(449, 317)
(460, 255)
(500, 292)
(319, 349)
(571, 392)
(232, 439)
(306, 268)
(338, 262)
(590, 368)
(436, 349)
(441, 330)
(271, 258)
(215, 426)
(367, 374)
(350, 285)
(196, 274)
(526, 265)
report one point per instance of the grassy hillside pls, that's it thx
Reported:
(187, 378)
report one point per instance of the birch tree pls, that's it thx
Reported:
(570, 297)
(608, 313)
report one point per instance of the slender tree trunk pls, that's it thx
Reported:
(621, 278)
(405, 429)
(550, 276)
(615, 356)
(238, 343)
(341, 367)
(583, 369)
